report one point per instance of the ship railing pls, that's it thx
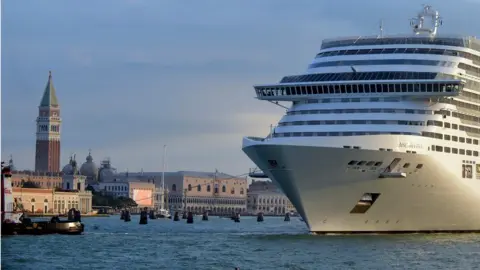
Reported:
(259, 139)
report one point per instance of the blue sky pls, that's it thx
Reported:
(133, 75)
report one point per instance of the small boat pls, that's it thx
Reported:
(42, 227)
(16, 222)
(164, 213)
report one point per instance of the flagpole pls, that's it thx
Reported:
(163, 176)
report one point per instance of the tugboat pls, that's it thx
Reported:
(15, 222)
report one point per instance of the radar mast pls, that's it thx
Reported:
(418, 23)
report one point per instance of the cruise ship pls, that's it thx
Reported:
(382, 135)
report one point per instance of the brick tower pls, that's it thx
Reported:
(47, 154)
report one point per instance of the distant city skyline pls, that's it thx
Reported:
(133, 75)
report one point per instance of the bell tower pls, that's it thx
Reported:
(47, 153)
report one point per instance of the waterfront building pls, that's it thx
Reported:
(43, 200)
(114, 188)
(47, 152)
(216, 192)
(143, 193)
(42, 180)
(266, 197)
(59, 199)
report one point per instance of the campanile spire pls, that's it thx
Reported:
(47, 154)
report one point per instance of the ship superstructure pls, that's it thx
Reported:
(382, 135)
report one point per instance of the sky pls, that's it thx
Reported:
(134, 75)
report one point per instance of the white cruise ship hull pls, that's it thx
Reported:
(324, 189)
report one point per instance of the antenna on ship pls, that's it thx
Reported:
(381, 28)
(418, 23)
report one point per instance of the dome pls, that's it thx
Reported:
(68, 169)
(89, 168)
(71, 167)
(106, 175)
(106, 172)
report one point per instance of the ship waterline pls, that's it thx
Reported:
(325, 190)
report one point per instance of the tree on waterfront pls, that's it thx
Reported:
(115, 202)
(102, 198)
(89, 187)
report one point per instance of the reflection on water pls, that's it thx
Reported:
(109, 243)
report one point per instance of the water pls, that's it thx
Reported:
(222, 244)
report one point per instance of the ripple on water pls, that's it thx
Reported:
(109, 243)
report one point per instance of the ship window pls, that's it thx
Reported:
(469, 152)
(353, 162)
(378, 164)
(462, 139)
(406, 165)
(361, 163)
(419, 166)
(455, 138)
(475, 153)
(438, 148)
(446, 137)
(462, 151)
(455, 150)
(446, 149)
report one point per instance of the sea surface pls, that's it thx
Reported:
(109, 243)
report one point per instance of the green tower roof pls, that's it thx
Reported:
(49, 96)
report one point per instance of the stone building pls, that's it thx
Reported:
(41, 200)
(42, 180)
(216, 192)
(114, 188)
(70, 193)
(266, 197)
(143, 193)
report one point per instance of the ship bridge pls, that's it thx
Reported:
(359, 89)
